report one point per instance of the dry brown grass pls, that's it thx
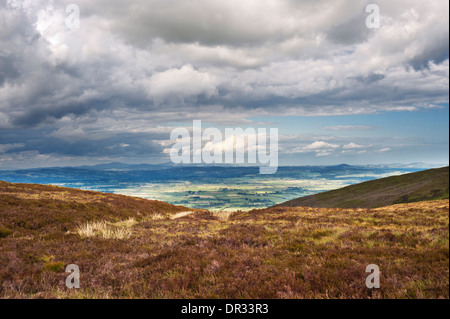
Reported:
(181, 215)
(103, 230)
(156, 217)
(222, 215)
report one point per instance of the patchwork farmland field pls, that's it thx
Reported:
(211, 188)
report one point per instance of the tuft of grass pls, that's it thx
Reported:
(222, 215)
(180, 215)
(130, 222)
(55, 266)
(103, 230)
(5, 232)
(156, 217)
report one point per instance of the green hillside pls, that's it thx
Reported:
(414, 187)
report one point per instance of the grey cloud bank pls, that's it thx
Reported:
(117, 85)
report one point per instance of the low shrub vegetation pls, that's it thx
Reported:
(131, 248)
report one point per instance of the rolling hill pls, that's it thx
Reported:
(45, 209)
(134, 248)
(414, 187)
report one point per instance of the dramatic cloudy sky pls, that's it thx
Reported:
(113, 89)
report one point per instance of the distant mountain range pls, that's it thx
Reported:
(424, 185)
(123, 166)
(139, 167)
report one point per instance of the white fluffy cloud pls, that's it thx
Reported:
(180, 84)
(320, 148)
(352, 146)
(321, 145)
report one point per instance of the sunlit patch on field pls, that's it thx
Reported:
(237, 194)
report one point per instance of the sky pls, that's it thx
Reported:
(114, 86)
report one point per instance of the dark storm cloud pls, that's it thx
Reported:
(122, 144)
(437, 53)
(8, 69)
(350, 32)
(118, 145)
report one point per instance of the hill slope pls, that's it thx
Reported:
(45, 209)
(163, 251)
(425, 185)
